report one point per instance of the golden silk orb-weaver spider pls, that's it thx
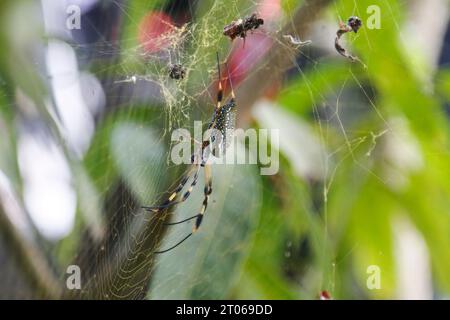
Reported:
(222, 122)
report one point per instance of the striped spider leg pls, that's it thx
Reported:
(223, 122)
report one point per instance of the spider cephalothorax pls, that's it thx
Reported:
(239, 28)
(177, 71)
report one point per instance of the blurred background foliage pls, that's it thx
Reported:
(364, 176)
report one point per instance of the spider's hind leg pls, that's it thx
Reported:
(207, 192)
(171, 200)
(198, 217)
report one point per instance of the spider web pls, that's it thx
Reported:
(145, 169)
(127, 163)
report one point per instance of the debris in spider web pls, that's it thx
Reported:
(353, 24)
(132, 79)
(177, 71)
(240, 27)
(296, 42)
(374, 141)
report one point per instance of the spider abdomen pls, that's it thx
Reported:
(224, 121)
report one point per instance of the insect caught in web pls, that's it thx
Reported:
(353, 24)
(177, 71)
(222, 122)
(240, 27)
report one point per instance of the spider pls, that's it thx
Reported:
(223, 121)
(239, 28)
(177, 71)
(353, 24)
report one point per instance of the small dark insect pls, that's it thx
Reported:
(353, 24)
(239, 28)
(177, 71)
